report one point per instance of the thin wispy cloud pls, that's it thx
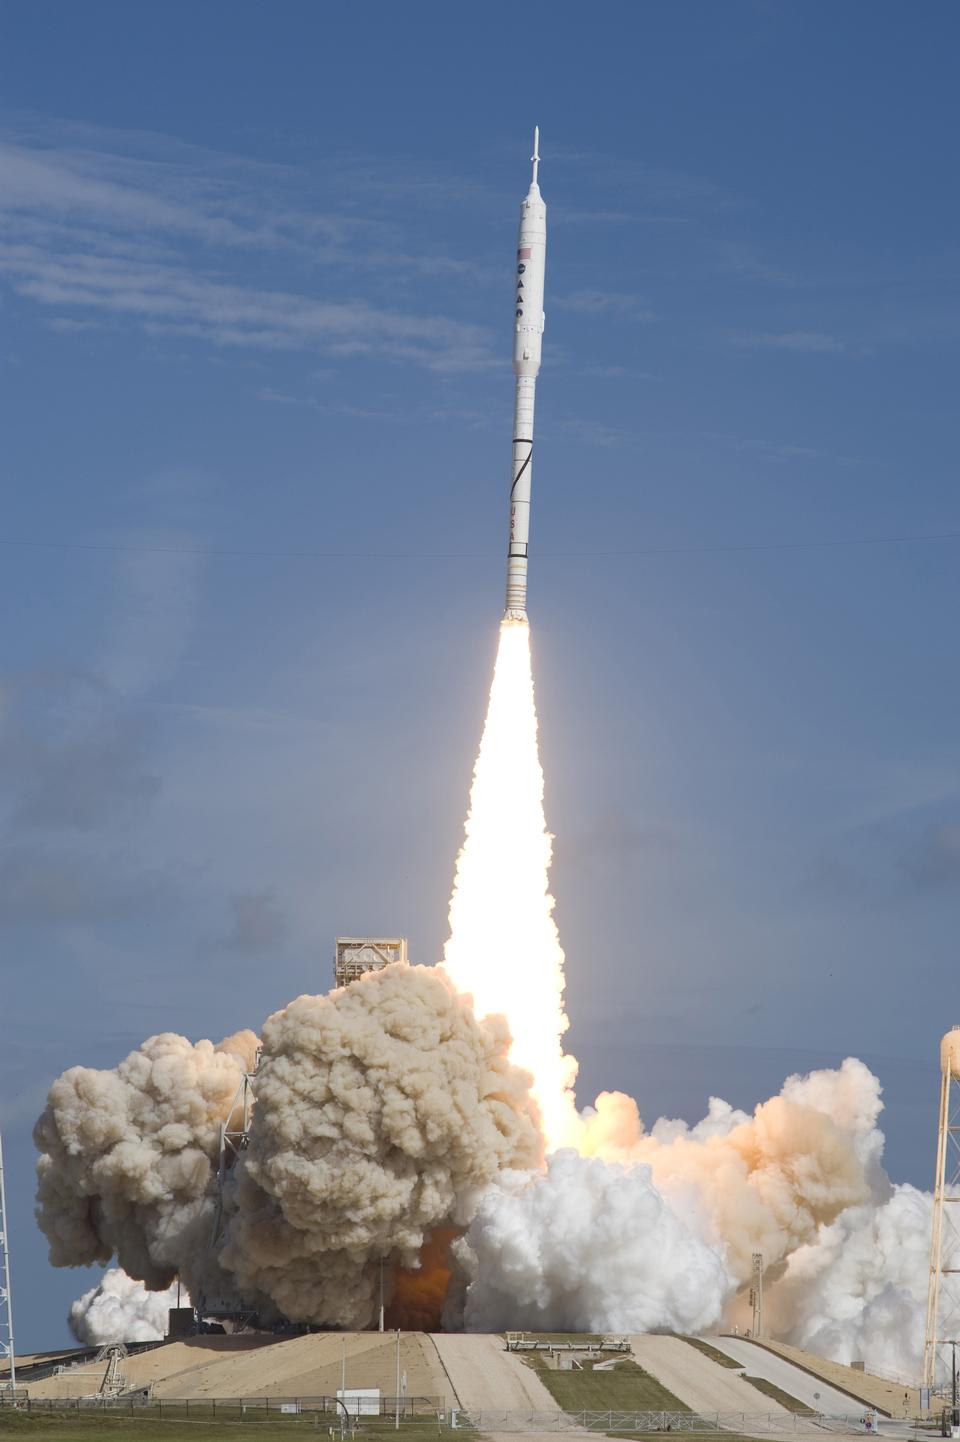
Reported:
(777, 450)
(167, 299)
(603, 302)
(742, 259)
(397, 414)
(804, 342)
(95, 236)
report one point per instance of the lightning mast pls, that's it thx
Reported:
(943, 1294)
(6, 1301)
(756, 1295)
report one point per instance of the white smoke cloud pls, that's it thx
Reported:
(589, 1246)
(118, 1309)
(858, 1293)
(756, 1184)
(388, 1118)
(656, 1230)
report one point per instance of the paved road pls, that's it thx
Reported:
(811, 1391)
(485, 1377)
(695, 1380)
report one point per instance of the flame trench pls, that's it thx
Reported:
(504, 947)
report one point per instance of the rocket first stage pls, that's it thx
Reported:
(528, 332)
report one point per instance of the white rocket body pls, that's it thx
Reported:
(528, 332)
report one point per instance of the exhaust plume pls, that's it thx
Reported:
(792, 1181)
(401, 1121)
(504, 948)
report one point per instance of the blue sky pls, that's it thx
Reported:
(255, 335)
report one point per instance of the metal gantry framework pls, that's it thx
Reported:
(943, 1294)
(234, 1139)
(356, 955)
(6, 1300)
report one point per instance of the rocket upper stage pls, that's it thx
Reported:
(528, 332)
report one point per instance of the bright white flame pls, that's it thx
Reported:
(504, 948)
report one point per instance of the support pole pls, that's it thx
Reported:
(6, 1300)
(396, 1424)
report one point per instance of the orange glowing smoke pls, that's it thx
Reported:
(417, 1294)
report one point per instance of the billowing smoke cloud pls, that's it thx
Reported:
(763, 1183)
(389, 1124)
(383, 1109)
(589, 1246)
(118, 1309)
(382, 1112)
(128, 1157)
(859, 1291)
(657, 1230)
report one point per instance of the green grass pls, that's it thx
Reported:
(777, 1394)
(713, 1353)
(658, 1436)
(98, 1426)
(418, 1429)
(626, 1388)
(769, 1389)
(59, 1427)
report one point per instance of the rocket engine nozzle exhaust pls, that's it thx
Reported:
(528, 339)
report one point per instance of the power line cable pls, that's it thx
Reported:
(214, 552)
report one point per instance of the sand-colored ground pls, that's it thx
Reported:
(145, 1368)
(702, 1384)
(35, 1359)
(474, 1372)
(893, 1398)
(255, 1365)
(485, 1377)
(312, 1366)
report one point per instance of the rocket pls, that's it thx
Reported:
(528, 333)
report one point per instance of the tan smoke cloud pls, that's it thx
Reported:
(390, 1125)
(382, 1111)
(128, 1155)
(766, 1182)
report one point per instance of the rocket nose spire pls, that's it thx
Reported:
(535, 157)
